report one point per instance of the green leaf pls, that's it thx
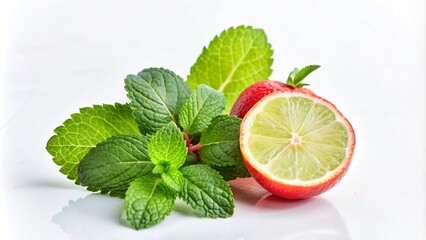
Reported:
(167, 148)
(202, 106)
(156, 96)
(191, 158)
(296, 76)
(233, 61)
(220, 142)
(233, 172)
(148, 201)
(206, 191)
(113, 164)
(173, 179)
(303, 73)
(291, 76)
(84, 130)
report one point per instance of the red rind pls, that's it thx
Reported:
(254, 93)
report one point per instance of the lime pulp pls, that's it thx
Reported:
(297, 138)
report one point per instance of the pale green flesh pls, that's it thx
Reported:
(323, 139)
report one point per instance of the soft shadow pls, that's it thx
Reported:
(88, 217)
(98, 216)
(50, 184)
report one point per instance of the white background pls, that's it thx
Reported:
(58, 56)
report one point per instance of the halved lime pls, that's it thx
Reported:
(296, 139)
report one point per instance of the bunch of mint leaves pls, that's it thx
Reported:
(173, 139)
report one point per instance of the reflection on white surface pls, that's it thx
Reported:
(258, 215)
(278, 218)
(81, 218)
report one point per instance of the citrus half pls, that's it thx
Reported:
(296, 144)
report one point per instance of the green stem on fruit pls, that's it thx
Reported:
(296, 76)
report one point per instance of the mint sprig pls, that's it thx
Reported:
(169, 147)
(168, 141)
(147, 169)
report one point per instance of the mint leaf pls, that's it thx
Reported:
(233, 172)
(156, 96)
(233, 61)
(202, 106)
(148, 201)
(206, 191)
(173, 179)
(84, 130)
(220, 142)
(114, 163)
(167, 148)
(190, 159)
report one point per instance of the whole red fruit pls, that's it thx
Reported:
(254, 93)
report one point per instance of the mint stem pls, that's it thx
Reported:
(197, 156)
(195, 147)
(187, 139)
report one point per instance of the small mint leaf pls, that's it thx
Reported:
(173, 179)
(167, 148)
(220, 142)
(235, 59)
(114, 163)
(206, 191)
(156, 96)
(298, 78)
(202, 106)
(290, 78)
(148, 201)
(84, 130)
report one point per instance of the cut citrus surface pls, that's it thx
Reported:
(296, 144)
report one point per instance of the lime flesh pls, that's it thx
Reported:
(296, 138)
